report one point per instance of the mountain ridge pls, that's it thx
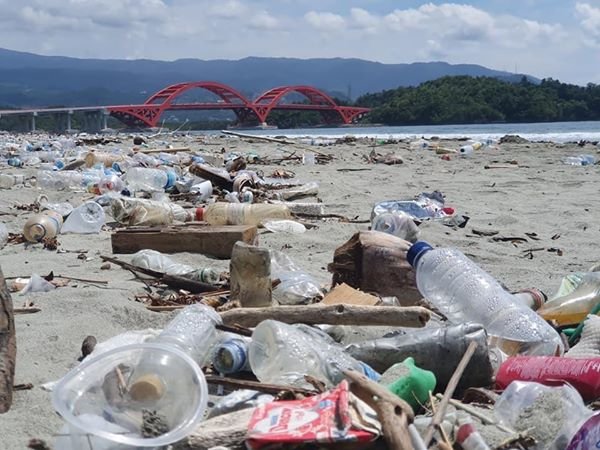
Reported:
(28, 79)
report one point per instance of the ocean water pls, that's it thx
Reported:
(552, 132)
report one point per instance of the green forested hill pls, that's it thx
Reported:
(463, 99)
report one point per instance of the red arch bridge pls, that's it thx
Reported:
(149, 113)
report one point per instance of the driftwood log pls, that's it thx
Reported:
(8, 346)
(394, 413)
(211, 174)
(395, 316)
(376, 262)
(174, 281)
(228, 430)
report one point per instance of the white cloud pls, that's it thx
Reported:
(364, 20)
(590, 21)
(231, 9)
(325, 21)
(264, 21)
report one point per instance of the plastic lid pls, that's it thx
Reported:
(464, 432)
(199, 214)
(171, 178)
(416, 251)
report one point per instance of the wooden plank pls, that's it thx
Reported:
(344, 294)
(217, 241)
(8, 347)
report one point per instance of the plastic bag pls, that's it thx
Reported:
(284, 226)
(37, 284)
(552, 415)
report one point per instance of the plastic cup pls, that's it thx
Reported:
(103, 398)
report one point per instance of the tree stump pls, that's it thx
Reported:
(375, 262)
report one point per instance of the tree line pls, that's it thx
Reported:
(464, 99)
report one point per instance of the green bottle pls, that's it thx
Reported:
(409, 382)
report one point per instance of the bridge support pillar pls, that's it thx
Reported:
(104, 118)
(69, 124)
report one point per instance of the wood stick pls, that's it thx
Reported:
(440, 413)
(177, 282)
(162, 150)
(23, 387)
(414, 316)
(27, 310)
(393, 412)
(8, 346)
(273, 389)
(475, 413)
(260, 138)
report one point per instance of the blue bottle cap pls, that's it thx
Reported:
(416, 251)
(171, 178)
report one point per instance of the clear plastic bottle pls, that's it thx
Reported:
(142, 212)
(231, 355)
(572, 308)
(193, 331)
(111, 183)
(283, 354)
(153, 260)
(150, 180)
(44, 225)
(59, 181)
(241, 213)
(7, 181)
(463, 292)
(399, 224)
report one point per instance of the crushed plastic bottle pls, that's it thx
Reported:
(581, 160)
(142, 212)
(149, 180)
(397, 224)
(296, 286)
(241, 213)
(85, 219)
(284, 354)
(41, 226)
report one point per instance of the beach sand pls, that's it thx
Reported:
(540, 195)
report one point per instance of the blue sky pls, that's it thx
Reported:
(544, 38)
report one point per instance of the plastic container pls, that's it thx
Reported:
(8, 181)
(551, 415)
(581, 373)
(43, 225)
(296, 286)
(231, 356)
(241, 214)
(572, 308)
(99, 416)
(283, 354)
(204, 190)
(150, 180)
(437, 349)
(151, 259)
(464, 292)
(111, 183)
(413, 386)
(396, 224)
(63, 180)
(418, 210)
(284, 226)
(14, 162)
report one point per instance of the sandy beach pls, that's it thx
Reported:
(539, 196)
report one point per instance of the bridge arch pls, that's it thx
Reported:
(149, 113)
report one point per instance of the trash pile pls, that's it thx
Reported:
(411, 346)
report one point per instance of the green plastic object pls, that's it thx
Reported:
(415, 386)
